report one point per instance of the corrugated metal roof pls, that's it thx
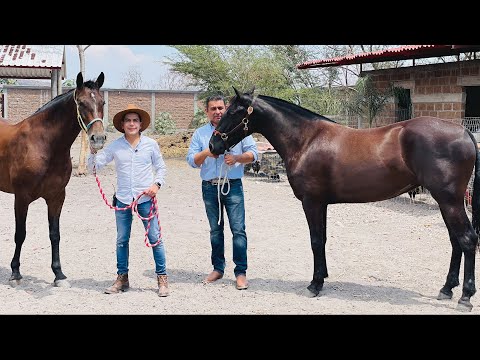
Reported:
(31, 61)
(398, 53)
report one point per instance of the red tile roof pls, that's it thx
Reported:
(398, 53)
(31, 61)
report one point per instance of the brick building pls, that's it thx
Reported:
(19, 102)
(447, 90)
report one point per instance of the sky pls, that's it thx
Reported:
(116, 60)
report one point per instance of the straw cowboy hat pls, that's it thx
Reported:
(144, 117)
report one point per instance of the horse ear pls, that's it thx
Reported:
(79, 80)
(251, 91)
(236, 92)
(100, 80)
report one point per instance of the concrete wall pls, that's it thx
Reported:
(22, 101)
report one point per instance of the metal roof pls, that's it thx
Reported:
(393, 54)
(31, 61)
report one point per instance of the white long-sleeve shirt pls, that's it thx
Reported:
(137, 168)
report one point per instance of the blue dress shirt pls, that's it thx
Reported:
(215, 167)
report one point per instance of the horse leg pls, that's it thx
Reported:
(54, 210)
(21, 211)
(454, 269)
(462, 233)
(316, 218)
(325, 238)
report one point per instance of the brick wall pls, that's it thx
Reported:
(22, 101)
(435, 89)
(180, 106)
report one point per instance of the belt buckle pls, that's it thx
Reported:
(214, 181)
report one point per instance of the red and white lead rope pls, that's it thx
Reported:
(134, 206)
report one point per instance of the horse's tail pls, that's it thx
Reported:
(476, 189)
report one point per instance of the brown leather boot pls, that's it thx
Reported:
(121, 284)
(241, 282)
(162, 285)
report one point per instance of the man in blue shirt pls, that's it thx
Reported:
(140, 168)
(222, 188)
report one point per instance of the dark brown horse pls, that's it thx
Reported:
(35, 160)
(328, 163)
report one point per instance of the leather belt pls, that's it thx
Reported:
(213, 181)
(217, 180)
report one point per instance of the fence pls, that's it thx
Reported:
(269, 166)
(472, 124)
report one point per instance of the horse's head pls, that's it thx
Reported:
(89, 104)
(234, 124)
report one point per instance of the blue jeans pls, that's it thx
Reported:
(124, 226)
(234, 205)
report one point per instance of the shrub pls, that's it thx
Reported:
(199, 119)
(164, 124)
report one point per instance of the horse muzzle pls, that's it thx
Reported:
(97, 141)
(216, 145)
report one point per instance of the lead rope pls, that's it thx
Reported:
(220, 187)
(134, 206)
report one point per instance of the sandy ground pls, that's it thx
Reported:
(389, 257)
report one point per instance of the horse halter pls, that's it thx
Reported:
(244, 121)
(79, 117)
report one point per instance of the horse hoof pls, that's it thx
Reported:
(312, 291)
(309, 293)
(442, 296)
(464, 305)
(61, 283)
(14, 282)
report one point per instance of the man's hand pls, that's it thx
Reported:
(209, 153)
(152, 190)
(230, 159)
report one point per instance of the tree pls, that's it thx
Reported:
(69, 83)
(132, 78)
(82, 165)
(270, 69)
(216, 68)
(7, 82)
(366, 100)
(173, 81)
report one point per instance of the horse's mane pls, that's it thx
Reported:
(90, 84)
(295, 108)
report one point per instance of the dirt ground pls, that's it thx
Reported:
(389, 257)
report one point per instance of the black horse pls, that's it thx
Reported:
(328, 163)
(35, 160)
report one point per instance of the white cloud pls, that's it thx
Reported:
(116, 60)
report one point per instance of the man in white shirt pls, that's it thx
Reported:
(140, 169)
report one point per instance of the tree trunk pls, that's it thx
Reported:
(82, 163)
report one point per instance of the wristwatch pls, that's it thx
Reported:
(158, 184)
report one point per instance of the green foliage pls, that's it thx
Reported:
(7, 82)
(199, 119)
(366, 100)
(322, 101)
(69, 83)
(270, 69)
(164, 124)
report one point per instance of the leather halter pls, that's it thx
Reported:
(244, 121)
(79, 117)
